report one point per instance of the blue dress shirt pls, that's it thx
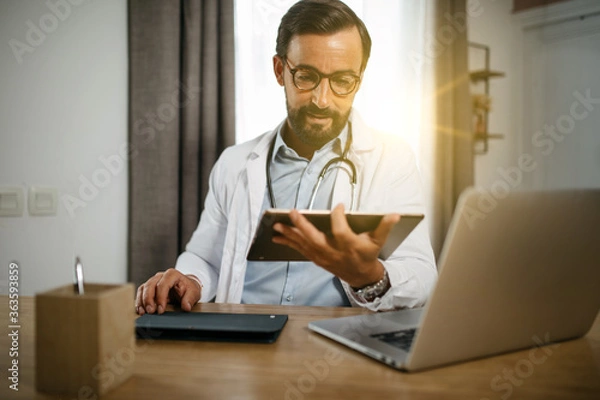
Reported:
(297, 283)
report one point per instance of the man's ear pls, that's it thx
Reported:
(278, 69)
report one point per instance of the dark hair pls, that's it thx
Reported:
(320, 17)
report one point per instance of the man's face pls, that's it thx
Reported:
(319, 115)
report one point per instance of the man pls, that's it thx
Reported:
(322, 52)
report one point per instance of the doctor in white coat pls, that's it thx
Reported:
(322, 51)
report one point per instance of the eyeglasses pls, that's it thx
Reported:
(341, 83)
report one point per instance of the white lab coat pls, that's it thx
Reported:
(388, 181)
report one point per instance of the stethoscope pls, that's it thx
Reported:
(330, 165)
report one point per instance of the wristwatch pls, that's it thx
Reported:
(370, 292)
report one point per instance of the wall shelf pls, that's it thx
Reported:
(484, 74)
(482, 102)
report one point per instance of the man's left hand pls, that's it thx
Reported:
(349, 256)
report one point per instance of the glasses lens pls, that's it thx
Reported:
(306, 80)
(343, 84)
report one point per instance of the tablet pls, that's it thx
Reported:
(205, 326)
(263, 248)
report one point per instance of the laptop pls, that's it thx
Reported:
(206, 326)
(514, 273)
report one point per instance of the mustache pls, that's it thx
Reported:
(319, 112)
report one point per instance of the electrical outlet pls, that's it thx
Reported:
(11, 201)
(42, 201)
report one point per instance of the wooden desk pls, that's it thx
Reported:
(305, 365)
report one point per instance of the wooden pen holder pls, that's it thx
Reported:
(85, 344)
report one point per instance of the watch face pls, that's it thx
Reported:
(373, 294)
(369, 297)
(368, 294)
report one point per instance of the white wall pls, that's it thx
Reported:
(550, 55)
(63, 108)
(561, 112)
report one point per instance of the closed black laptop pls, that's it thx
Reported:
(228, 327)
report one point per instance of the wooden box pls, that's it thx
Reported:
(85, 344)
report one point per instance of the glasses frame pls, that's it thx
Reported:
(321, 76)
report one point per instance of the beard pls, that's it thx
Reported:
(315, 135)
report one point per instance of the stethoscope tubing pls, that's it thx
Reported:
(352, 174)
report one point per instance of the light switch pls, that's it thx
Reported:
(42, 201)
(11, 201)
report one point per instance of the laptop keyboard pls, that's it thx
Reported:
(400, 339)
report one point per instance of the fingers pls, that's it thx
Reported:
(285, 240)
(191, 294)
(153, 295)
(380, 234)
(304, 225)
(169, 280)
(339, 225)
(144, 302)
(138, 301)
(303, 236)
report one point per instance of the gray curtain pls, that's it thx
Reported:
(453, 153)
(181, 116)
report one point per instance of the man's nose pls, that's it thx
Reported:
(321, 95)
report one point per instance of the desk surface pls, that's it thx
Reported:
(305, 365)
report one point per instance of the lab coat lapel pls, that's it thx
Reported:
(257, 179)
(247, 201)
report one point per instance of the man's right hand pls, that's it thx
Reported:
(170, 286)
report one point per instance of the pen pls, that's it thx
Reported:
(78, 278)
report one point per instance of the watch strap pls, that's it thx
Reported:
(369, 293)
